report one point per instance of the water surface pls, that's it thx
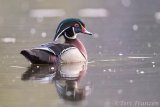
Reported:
(123, 68)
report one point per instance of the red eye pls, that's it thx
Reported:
(76, 25)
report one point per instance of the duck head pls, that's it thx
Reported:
(69, 28)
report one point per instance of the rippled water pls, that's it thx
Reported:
(123, 67)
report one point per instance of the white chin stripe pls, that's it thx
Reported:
(73, 37)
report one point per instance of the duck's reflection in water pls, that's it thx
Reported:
(65, 76)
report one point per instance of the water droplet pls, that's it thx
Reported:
(104, 70)
(44, 34)
(135, 27)
(153, 62)
(120, 54)
(131, 81)
(110, 70)
(52, 68)
(154, 66)
(141, 72)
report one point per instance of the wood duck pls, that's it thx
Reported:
(72, 50)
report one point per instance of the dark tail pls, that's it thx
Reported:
(32, 57)
(38, 56)
(28, 54)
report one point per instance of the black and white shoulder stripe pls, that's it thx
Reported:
(56, 49)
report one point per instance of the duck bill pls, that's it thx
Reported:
(85, 31)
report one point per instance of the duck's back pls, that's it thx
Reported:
(53, 53)
(55, 49)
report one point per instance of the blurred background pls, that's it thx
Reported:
(124, 26)
(127, 30)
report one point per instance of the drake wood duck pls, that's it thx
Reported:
(72, 50)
